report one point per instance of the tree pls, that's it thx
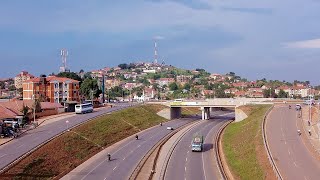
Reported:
(123, 66)
(231, 74)
(173, 86)
(187, 86)
(155, 86)
(71, 75)
(269, 93)
(81, 71)
(88, 87)
(25, 110)
(12, 87)
(2, 85)
(282, 94)
(87, 75)
(219, 93)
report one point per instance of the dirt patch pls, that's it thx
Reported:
(246, 109)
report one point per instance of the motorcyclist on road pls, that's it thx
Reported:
(137, 137)
(109, 157)
(309, 132)
(161, 124)
(299, 132)
(289, 106)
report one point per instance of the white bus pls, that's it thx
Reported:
(84, 108)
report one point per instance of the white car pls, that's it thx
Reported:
(169, 128)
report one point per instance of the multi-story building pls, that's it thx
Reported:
(182, 79)
(22, 77)
(51, 89)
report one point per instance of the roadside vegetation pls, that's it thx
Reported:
(69, 150)
(243, 146)
(188, 111)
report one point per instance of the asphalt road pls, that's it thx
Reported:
(31, 139)
(187, 165)
(126, 156)
(291, 155)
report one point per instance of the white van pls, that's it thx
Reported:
(178, 100)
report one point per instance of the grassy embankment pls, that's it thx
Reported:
(188, 111)
(243, 146)
(69, 150)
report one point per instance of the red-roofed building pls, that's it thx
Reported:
(240, 84)
(22, 77)
(240, 94)
(51, 89)
(12, 109)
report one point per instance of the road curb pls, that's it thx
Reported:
(221, 165)
(47, 141)
(29, 130)
(158, 146)
(167, 159)
(266, 145)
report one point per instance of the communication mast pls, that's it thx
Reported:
(155, 51)
(64, 54)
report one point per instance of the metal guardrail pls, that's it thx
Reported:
(159, 145)
(265, 142)
(168, 156)
(217, 140)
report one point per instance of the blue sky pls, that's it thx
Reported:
(256, 39)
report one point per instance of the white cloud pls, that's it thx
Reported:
(307, 44)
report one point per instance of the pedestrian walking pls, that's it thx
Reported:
(109, 157)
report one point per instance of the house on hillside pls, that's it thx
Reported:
(165, 81)
(52, 89)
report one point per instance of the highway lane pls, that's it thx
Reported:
(29, 140)
(126, 156)
(185, 164)
(291, 155)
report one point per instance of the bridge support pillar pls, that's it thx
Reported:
(205, 113)
(175, 112)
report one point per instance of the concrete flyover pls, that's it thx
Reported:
(210, 105)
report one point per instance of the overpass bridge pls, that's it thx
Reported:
(209, 105)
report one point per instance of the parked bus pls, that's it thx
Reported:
(84, 108)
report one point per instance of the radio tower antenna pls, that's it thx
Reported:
(64, 54)
(155, 51)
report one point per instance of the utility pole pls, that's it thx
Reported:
(34, 109)
(103, 89)
(92, 96)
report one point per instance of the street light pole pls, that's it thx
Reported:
(34, 109)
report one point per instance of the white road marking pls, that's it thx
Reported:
(139, 145)
(185, 169)
(295, 164)
(115, 168)
(289, 152)
(186, 158)
(305, 178)
(124, 158)
(105, 179)
(204, 170)
(20, 146)
(3, 156)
